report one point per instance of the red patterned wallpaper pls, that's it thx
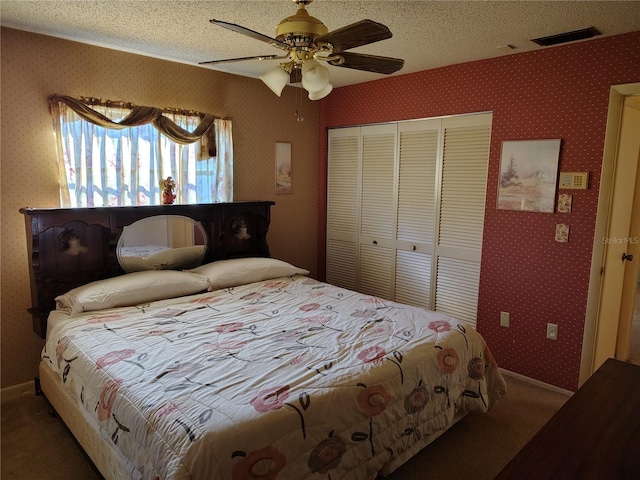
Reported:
(556, 92)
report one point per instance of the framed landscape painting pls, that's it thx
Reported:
(528, 175)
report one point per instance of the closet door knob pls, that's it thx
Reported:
(375, 242)
(413, 247)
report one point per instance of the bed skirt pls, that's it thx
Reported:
(111, 464)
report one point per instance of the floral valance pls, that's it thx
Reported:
(141, 115)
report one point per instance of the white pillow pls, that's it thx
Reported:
(241, 271)
(176, 258)
(131, 289)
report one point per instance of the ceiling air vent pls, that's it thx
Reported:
(567, 37)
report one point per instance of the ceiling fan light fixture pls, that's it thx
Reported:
(276, 79)
(315, 77)
(321, 93)
(306, 40)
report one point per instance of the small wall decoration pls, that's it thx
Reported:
(528, 175)
(562, 232)
(283, 168)
(564, 203)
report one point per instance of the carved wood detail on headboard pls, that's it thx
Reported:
(51, 231)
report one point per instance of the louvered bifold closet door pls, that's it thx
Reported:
(415, 233)
(377, 211)
(342, 207)
(462, 198)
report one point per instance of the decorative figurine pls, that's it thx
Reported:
(239, 228)
(167, 186)
(71, 244)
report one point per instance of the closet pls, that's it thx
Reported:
(405, 210)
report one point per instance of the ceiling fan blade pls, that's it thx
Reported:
(369, 63)
(357, 34)
(251, 33)
(241, 59)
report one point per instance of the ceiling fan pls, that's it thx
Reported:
(307, 42)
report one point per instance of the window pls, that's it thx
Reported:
(112, 154)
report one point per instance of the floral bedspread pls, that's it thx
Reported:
(282, 379)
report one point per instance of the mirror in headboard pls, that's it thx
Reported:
(162, 242)
(69, 247)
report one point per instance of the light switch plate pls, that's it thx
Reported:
(505, 319)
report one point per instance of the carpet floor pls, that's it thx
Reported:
(36, 445)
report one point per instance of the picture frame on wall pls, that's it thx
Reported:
(284, 174)
(528, 175)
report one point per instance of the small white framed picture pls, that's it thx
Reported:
(284, 172)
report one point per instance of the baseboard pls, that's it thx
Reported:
(26, 387)
(537, 383)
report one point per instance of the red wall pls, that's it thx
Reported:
(557, 92)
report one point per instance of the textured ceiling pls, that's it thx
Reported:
(426, 34)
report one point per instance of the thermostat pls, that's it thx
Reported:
(574, 180)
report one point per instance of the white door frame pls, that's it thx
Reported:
(614, 117)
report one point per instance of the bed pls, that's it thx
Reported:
(247, 368)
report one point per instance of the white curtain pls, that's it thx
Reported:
(101, 166)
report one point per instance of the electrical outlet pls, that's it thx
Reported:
(505, 319)
(552, 331)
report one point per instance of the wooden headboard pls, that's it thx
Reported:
(54, 272)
